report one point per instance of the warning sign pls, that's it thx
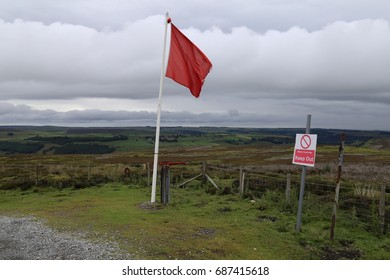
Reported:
(305, 149)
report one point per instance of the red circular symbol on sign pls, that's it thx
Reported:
(305, 141)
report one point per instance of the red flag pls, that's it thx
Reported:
(187, 64)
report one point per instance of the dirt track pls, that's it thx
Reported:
(27, 238)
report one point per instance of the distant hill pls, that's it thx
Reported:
(98, 140)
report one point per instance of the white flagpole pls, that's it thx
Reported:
(157, 139)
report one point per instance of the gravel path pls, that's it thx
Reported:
(28, 238)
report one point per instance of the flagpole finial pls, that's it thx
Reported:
(169, 20)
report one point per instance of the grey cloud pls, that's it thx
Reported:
(273, 62)
(25, 115)
(64, 60)
(329, 115)
(342, 61)
(259, 15)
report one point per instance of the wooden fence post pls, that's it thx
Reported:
(36, 174)
(148, 169)
(336, 199)
(382, 207)
(165, 184)
(89, 172)
(204, 167)
(288, 189)
(207, 177)
(241, 182)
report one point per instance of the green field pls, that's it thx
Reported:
(195, 225)
(167, 232)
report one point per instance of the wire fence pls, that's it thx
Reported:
(364, 205)
(360, 204)
(57, 175)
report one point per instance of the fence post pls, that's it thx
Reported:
(382, 208)
(89, 171)
(288, 189)
(148, 169)
(242, 180)
(336, 199)
(204, 167)
(165, 184)
(36, 174)
(243, 183)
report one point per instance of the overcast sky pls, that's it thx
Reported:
(98, 63)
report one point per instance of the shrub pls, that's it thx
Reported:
(22, 148)
(83, 149)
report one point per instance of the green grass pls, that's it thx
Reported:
(195, 225)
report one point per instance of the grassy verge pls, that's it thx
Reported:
(195, 225)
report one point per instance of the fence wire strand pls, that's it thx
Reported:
(359, 203)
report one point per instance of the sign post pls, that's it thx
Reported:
(304, 154)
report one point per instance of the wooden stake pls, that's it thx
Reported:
(336, 199)
(211, 181)
(204, 167)
(288, 189)
(189, 180)
(165, 184)
(89, 171)
(242, 184)
(148, 169)
(382, 208)
(205, 177)
(36, 174)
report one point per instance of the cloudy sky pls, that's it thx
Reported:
(98, 63)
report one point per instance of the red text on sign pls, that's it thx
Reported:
(304, 156)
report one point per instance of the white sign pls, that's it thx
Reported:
(305, 149)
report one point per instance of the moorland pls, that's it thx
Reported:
(97, 180)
